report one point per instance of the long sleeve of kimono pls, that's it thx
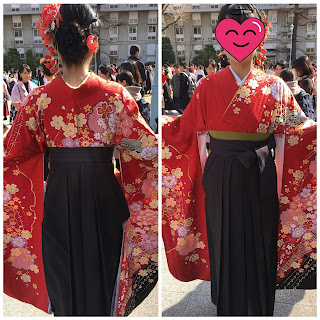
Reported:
(183, 196)
(297, 228)
(23, 206)
(139, 170)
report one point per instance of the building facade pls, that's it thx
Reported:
(192, 34)
(122, 26)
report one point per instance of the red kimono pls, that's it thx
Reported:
(96, 114)
(262, 104)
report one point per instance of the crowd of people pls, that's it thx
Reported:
(180, 80)
(132, 74)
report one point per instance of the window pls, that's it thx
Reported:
(311, 27)
(18, 33)
(113, 53)
(35, 18)
(114, 17)
(215, 6)
(132, 33)
(113, 6)
(133, 17)
(151, 37)
(180, 39)
(180, 51)
(38, 53)
(15, 7)
(179, 31)
(35, 32)
(310, 50)
(18, 41)
(196, 19)
(197, 31)
(35, 7)
(132, 29)
(152, 5)
(153, 17)
(133, 5)
(311, 36)
(37, 41)
(290, 17)
(113, 30)
(312, 17)
(272, 16)
(152, 29)
(195, 7)
(21, 52)
(16, 21)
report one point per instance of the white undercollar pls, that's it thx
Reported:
(240, 82)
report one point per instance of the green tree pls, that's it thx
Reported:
(30, 60)
(168, 55)
(11, 59)
(208, 52)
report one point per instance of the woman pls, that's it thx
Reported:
(125, 78)
(87, 220)
(306, 76)
(105, 72)
(237, 215)
(21, 90)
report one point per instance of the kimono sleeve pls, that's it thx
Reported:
(183, 218)
(297, 225)
(138, 148)
(23, 207)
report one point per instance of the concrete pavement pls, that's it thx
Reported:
(192, 299)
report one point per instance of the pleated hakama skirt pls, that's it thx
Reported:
(242, 214)
(82, 231)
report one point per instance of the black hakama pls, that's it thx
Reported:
(242, 214)
(82, 231)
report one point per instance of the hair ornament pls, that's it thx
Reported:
(48, 23)
(261, 54)
(92, 42)
(50, 63)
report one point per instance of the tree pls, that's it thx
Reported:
(11, 59)
(173, 14)
(30, 60)
(168, 55)
(208, 52)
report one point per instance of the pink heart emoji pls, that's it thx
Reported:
(240, 39)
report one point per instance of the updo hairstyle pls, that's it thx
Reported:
(79, 21)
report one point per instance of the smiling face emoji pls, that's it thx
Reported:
(240, 40)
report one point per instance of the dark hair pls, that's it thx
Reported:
(207, 63)
(183, 64)
(105, 69)
(125, 75)
(239, 12)
(287, 75)
(21, 69)
(303, 66)
(79, 21)
(134, 49)
(224, 61)
(133, 69)
(282, 63)
(176, 65)
(45, 70)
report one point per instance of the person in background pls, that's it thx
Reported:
(184, 98)
(192, 71)
(210, 67)
(306, 76)
(134, 57)
(303, 98)
(280, 65)
(125, 78)
(200, 73)
(176, 88)
(106, 72)
(149, 79)
(21, 90)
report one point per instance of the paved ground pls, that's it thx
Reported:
(192, 299)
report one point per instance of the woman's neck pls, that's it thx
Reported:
(74, 75)
(241, 68)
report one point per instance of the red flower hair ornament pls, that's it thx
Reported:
(50, 63)
(48, 23)
(92, 42)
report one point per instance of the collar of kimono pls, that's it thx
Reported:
(77, 87)
(240, 86)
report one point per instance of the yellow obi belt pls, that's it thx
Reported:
(244, 136)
